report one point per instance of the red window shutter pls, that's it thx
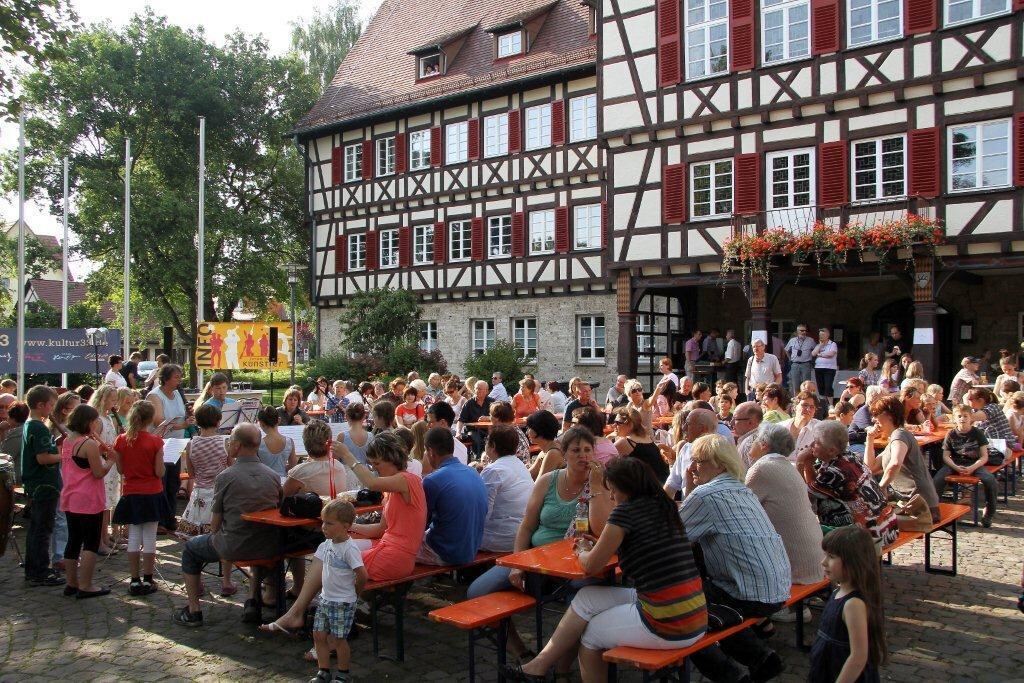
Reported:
(515, 135)
(824, 26)
(924, 162)
(921, 16)
(401, 153)
(372, 249)
(1018, 150)
(604, 224)
(440, 244)
(477, 239)
(832, 174)
(558, 122)
(473, 133)
(562, 229)
(746, 184)
(341, 253)
(741, 35)
(668, 43)
(404, 248)
(673, 194)
(337, 155)
(435, 147)
(518, 238)
(1018, 4)
(367, 159)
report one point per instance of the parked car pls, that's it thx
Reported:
(146, 368)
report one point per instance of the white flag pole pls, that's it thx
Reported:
(200, 305)
(127, 241)
(64, 288)
(21, 256)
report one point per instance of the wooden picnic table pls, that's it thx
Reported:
(487, 424)
(273, 517)
(923, 440)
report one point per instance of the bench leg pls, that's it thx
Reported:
(472, 656)
(974, 502)
(374, 625)
(800, 626)
(502, 644)
(613, 672)
(951, 530)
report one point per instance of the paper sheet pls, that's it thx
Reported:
(923, 336)
(173, 448)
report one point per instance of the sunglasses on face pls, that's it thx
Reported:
(621, 422)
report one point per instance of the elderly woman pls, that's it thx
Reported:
(843, 490)
(990, 418)
(542, 431)
(783, 495)
(526, 402)
(290, 412)
(435, 389)
(965, 379)
(636, 402)
(801, 424)
(900, 465)
(636, 442)
(664, 609)
(775, 402)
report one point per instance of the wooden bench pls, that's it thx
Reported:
(391, 595)
(485, 618)
(276, 565)
(972, 484)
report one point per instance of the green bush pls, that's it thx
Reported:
(504, 357)
(407, 357)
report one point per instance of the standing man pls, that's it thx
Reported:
(130, 371)
(761, 368)
(733, 357)
(712, 351)
(113, 376)
(894, 344)
(798, 350)
(826, 357)
(498, 391)
(693, 352)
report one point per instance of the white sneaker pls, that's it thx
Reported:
(787, 615)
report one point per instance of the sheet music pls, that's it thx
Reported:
(173, 448)
(294, 432)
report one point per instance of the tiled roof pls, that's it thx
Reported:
(379, 73)
(526, 12)
(51, 291)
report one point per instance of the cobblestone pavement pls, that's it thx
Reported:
(940, 628)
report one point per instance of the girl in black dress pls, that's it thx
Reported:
(851, 637)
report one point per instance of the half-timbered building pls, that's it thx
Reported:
(725, 117)
(455, 155)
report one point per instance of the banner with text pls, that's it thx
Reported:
(56, 351)
(242, 346)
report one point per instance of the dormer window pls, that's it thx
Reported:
(430, 65)
(510, 44)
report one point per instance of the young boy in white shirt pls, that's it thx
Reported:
(341, 565)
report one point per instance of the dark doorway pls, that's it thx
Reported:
(901, 314)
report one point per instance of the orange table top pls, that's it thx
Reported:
(663, 421)
(553, 559)
(935, 437)
(273, 517)
(520, 422)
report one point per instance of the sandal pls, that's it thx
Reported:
(275, 628)
(310, 654)
(514, 672)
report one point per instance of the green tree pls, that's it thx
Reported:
(504, 357)
(378, 320)
(325, 40)
(38, 260)
(32, 31)
(149, 82)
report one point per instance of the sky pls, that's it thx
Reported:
(217, 17)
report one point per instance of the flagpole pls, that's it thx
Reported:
(20, 340)
(64, 288)
(127, 241)
(200, 305)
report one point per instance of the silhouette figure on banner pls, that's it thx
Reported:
(231, 349)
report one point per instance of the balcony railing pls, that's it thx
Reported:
(800, 220)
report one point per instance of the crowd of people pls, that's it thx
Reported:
(715, 503)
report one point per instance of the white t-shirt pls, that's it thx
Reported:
(677, 473)
(340, 561)
(461, 454)
(415, 466)
(115, 378)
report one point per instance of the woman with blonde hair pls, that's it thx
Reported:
(526, 402)
(104, 400)
(291, 412)
(914, 371)
(417, 464)
(126, 398)
(636, 402)
(889, 377)
(869, 373)
(635, 441)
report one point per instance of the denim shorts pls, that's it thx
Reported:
(198, 552)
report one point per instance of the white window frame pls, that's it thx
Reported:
(790, 194)
(482, 338)
(495, 135)
(699, 22)
(456, 142)
(357, 251)
(500, 227)
(353, 162)
(524, 335)
(786, 7)
(421, 65)
(388, 249)
(510, 44)
(542, 232)
(976, 14)
(979, 168)
(586, 223)
(422, 244)
(878, 169)
(385, 156)
(873, 8)
(590, 326)
(583, 118)
(428, 335)
(538, 127)
(419, 150)
(714, 188)
(460, 241)
(644, 335)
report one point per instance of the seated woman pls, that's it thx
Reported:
(775, 403)
(291, 412)
(357, 439)
(276, 451)
(526, 402)
(634, 392)
(635, 441)
(411, 410)
(321, 473)
(383, 416)
(1013, 409)
(842, 488)
(435, 390)
(854, 392)
(509, 486)
(1008, 365)
(317, 399)
(663, 610)
(501, 413)
(869, 374)
(900, 465)
(989, 417)
(542, 431)
(701, 392)
(594, 421)
(914, 409)
(889, 377)
(801, 424)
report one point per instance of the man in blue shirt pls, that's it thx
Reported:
(456, 504)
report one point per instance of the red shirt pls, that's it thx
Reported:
(137, 460)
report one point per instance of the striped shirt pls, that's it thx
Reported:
(208, 457)
(996, 426)
(743, 554)
(657, 557)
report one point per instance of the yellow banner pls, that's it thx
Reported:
(242, 346)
